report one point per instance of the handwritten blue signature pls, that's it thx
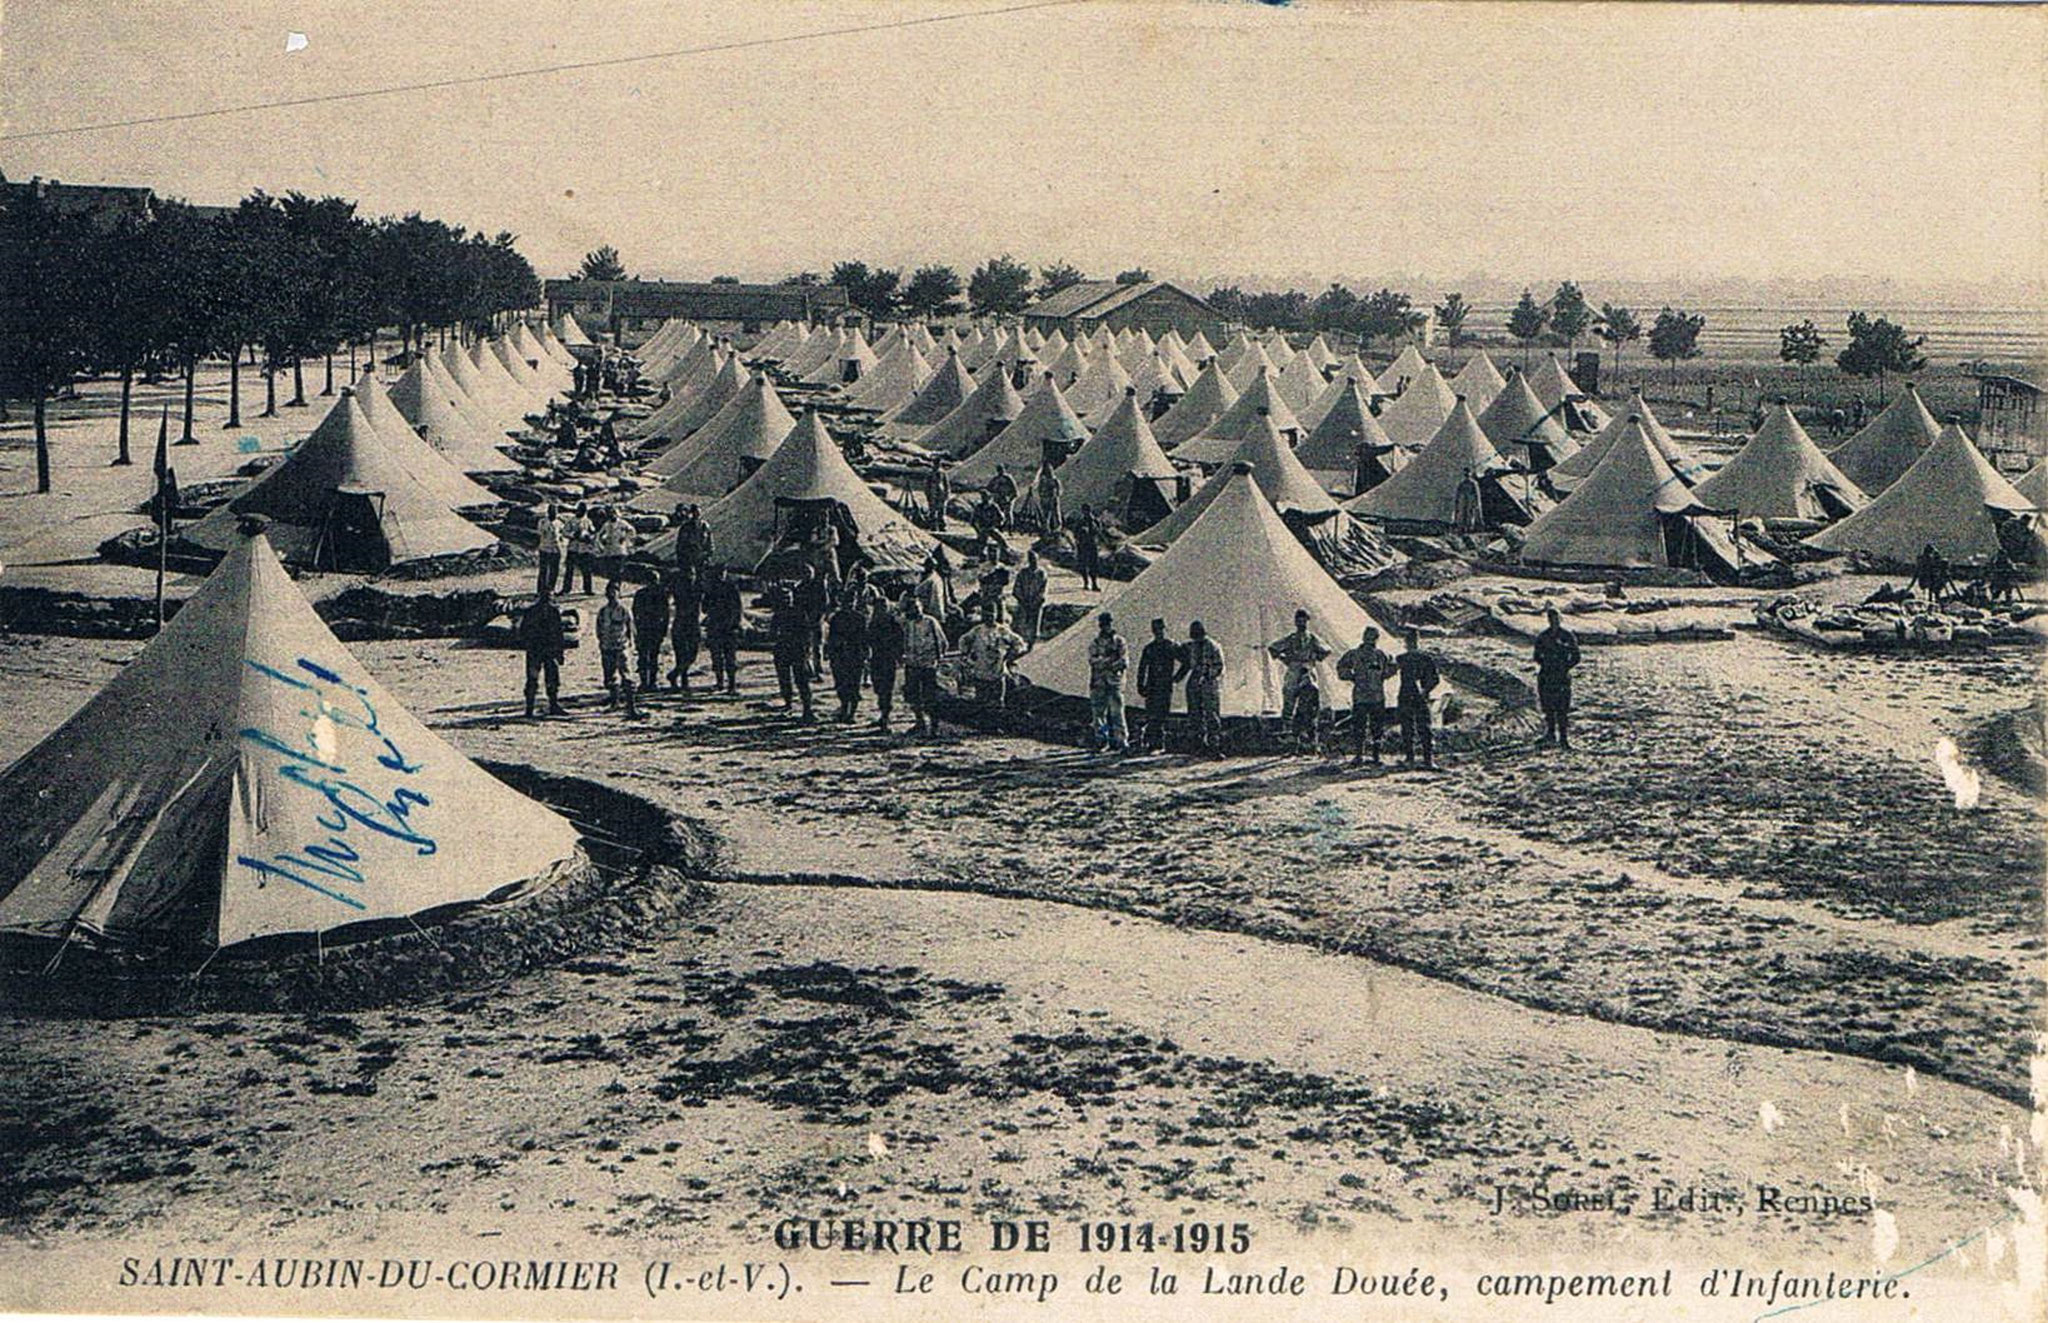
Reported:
(332, 867)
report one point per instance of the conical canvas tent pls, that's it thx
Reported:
(1250, 366)
(491, 371)
(569, 333)
(2033, 484)
(850, 360)
(1273, 465)
(531, 389)
(544, 369)
(700, 407)
(1198, 349)
(693, 368)
(946, 391)
(489, 398)
(1478, 381)
(1176, 356)
(806, 474)
(434, 470)
(1047, 425)
(1207, 399)
(680, 415)
(1100, 386)
(772, 346)
(1346, 429)
(992, 407)
(1301, 381)
(1243, 574)
(893, 380)
(1234, 352)
(345, 499)
(245, 777)
(1631, 512)
(433, 415)
(479, 416)
(1099, 474)
(1425, 489)
(1421, 409)
(1320, 353)
(1552, 384)
(1940, 501)
(1403, 371)
(722, 452)
(1067, 368)
(1889, 444)
(1260, 401)
(1156, 384)
(1570, 471)
(1346, 375)
(1781, 474)
(555, 348)
(1522, 430)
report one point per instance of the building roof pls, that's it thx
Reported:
(1091, 300)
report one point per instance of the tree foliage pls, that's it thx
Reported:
(1879, 347)
(1137, 275)
(1618, 327)
(1451, 315)
(933, 291)
(872, 292)
(1675, 336)
(1570, 314)
(1801, 342)
(999, 287)
(602, 263)
(1060, 275)
(1528, 320)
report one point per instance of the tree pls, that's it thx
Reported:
(1675, 336)
(1060, 275)
(1388, 315)
(1137, 275)
(805, 279)
(1617, 326)
(1570, 314)
(1527, 321)
(872, 292)
(1451, 315)
(1230, 303)
(999, 287)
(1879, 347)
(1286, 311)
(725, 280)
(603, 264)
(46, 296)
(1335, 309)
(1800, 343)
(933, 291)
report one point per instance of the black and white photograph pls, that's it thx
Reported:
(1111, 659)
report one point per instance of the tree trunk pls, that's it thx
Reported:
(42, 441)
(351, 362)
(127, 393)
(191, 369)
(269, 388)
(328, 389)
(234, 390)
(298, 399)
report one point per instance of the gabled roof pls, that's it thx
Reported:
(1093, 299)
(1240, 571)
(194, 799)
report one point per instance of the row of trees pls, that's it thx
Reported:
(1878, 347)
(289, 280)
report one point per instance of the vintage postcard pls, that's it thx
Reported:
(1111, 659)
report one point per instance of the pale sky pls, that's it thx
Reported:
(1532, 141)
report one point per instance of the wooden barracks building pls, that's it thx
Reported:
(1155, 306)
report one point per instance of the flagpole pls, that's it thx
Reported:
(163, 511)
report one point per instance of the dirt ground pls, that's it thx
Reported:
(1742, 935)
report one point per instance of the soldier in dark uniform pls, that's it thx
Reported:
(1557, 652)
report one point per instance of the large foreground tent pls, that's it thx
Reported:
(804, 487)
(1240, 571)
(1888, 445)
(1942, 501)
(1781, 474)
(2033, 484)
(1631, 512)
(347, 499)
(245, 777)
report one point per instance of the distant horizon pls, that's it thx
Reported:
(1635, 149)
